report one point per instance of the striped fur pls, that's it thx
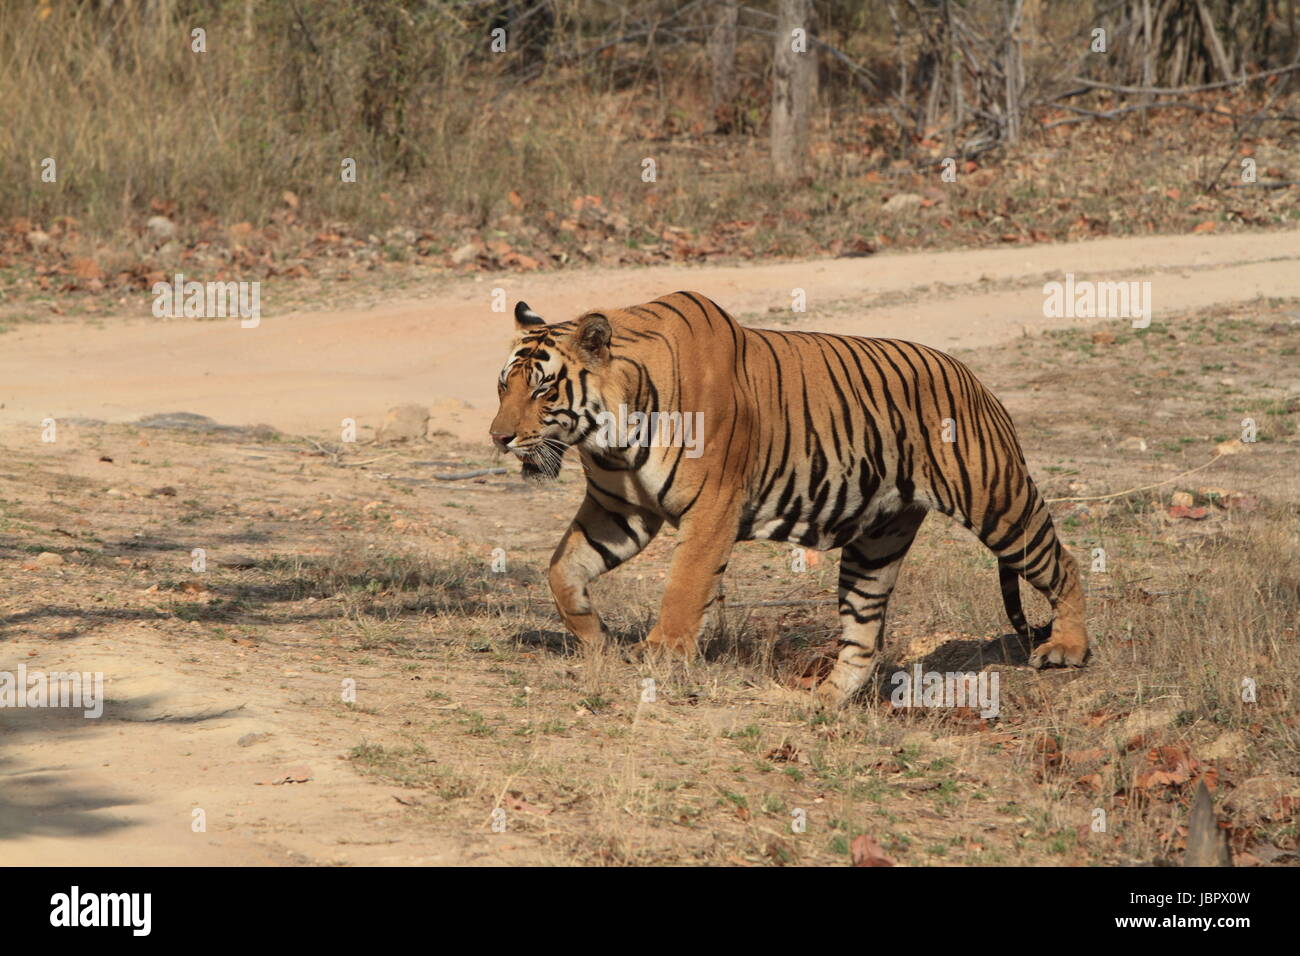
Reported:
(827, 441)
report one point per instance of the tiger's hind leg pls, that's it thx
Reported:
(869, 568)
(1059, 580)
(597, 541)
(1030, 548)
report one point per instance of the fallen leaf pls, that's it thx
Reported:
(1081, 758)
(516, 802)
(1140, 740)
(1099, 717)
(786, 753)
(299, 774)
(1160, 778)
(1091, 782)
(87, 269)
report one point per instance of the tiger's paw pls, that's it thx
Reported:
(830, 697)
(657, 641)
(1060, 652)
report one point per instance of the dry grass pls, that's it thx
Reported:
(139, 123)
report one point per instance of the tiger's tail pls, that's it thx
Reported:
(1009, 580)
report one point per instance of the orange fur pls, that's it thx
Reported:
(822, 440)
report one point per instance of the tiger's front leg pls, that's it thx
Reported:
(692, 598)
(869, 569)
(597, 541)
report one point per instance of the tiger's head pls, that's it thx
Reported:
(549, 390)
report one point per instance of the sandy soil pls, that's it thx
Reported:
(194, 728)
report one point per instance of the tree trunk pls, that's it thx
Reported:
(722, 61)
(1212, 41)
(1014, 72)
(794, 77)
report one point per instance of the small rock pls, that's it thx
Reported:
(1240, 502)
(47, 559)
(1133, 443)
(1228, 746)
(465, 253)
(161, 229)
(404, 423)
(1182, 499)
(902, 202)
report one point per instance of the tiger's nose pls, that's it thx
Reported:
(502, 438)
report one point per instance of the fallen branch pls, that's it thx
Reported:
(331, 453)
(1085, 114)
(368, 461)
(1272, 184)
(477, 473)
(815, 602)
(1130, 491)
(1182, 90)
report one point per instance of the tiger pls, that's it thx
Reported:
(825, 441)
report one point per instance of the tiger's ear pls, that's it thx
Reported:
(591, 338)
(526, 318)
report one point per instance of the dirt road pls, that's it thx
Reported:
(304, 372)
